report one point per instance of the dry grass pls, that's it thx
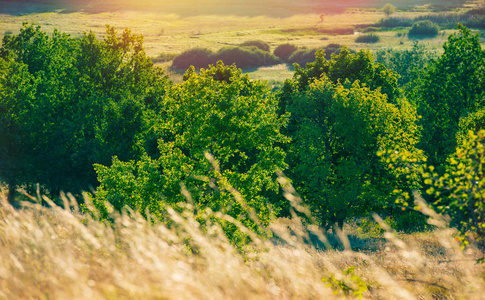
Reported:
(176, 26)
(52, 253)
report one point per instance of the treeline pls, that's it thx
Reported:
(353, 135)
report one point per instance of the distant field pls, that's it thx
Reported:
(272, 8)
(171, 27)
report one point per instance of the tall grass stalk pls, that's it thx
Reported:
(59, 253)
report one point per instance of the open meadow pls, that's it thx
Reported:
(172, 27)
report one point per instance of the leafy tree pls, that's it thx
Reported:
(79, 86)
(453, 87)
(337, 132)
(17, 90)
(423, 29)
(409, 64)
(458, 191)
(388, 9)
(222, 112)
(344, 66)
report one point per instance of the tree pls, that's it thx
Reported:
(409, 64)
(221, 112)
(343, 66)
(338, 130)
(388, 9)
(453, 87)
(78, 86)
(17, 90)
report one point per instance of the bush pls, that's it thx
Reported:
(284, 51)
(394, 22)
(367, 38)
(246, 57)
(197, 57)
(304, 56)
(423, 29)
(370, 29)
(259, 44)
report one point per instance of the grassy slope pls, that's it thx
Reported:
(58, 254)
(165, 31)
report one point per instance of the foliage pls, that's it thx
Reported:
(349, 284)
(199, 58)
(222, 112)
(247, 56)
(304, 56)
(409, 64)
(423, 29)
(82, 99)
(394, 22)
(460, 191)
(367, 38)
(474, 121)
(457, 191)
(284, 51)
(346, 65)
(388, 9)
(337, 130)
(258, 44)
(452, 88)
(473, 18)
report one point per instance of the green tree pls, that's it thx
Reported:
(388, 9)
(17, 90)
(344, 66)
(338, 130)
(453, 87)
(222, 112)
(410, 64)
(79, 86)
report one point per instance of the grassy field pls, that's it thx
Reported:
(52, 253)
(171, 27)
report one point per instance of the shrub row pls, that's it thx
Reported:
(247, 55)
(291, 54)
(423, 29)
(473, 19)
(367, 38)
(250, 54)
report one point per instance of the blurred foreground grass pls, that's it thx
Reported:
(56, 253)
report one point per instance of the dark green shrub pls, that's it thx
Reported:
(370, 29)
(259, 44)
(246, 57)
(302, 56)
(284, 51)
(198, 58)
(367, 38)
(394, 22)
(423, 29)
